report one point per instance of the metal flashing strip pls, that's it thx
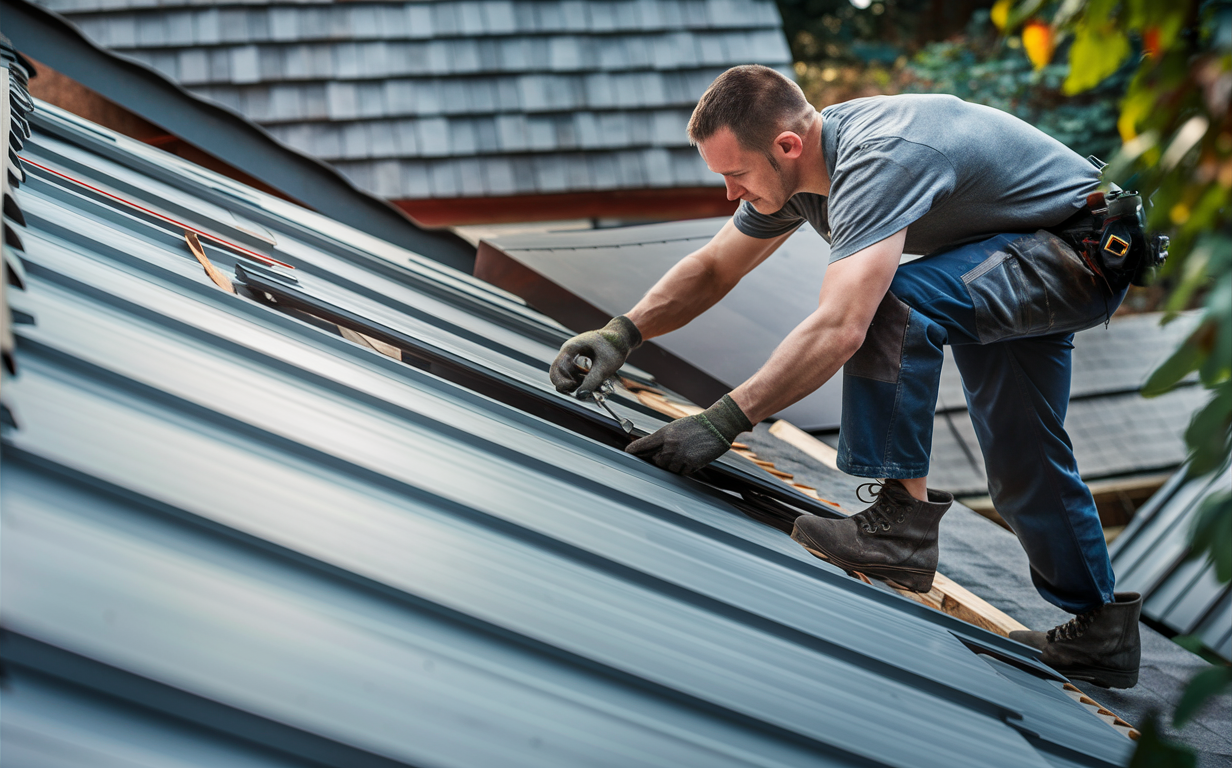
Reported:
(233, 246)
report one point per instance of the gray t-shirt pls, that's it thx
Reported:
(950, 171)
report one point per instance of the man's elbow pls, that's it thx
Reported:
(848, 339)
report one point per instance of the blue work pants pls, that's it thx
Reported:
(1008, 307)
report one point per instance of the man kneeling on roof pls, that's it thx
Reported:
(980, 194)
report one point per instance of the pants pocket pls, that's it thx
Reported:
(1036, 286)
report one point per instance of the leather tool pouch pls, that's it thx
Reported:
(1112, 238)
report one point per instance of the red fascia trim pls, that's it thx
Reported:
(233, 246)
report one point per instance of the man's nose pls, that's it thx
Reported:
(734, 190)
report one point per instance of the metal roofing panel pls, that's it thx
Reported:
(1152, 557)
(344, 558)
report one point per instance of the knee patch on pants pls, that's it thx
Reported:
(880, 357)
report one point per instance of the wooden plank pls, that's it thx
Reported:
(793, 435)
(388, 350)
(215, 274)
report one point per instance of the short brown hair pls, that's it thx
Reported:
(755, 103)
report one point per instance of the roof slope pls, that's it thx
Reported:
(233, 537)
(414, 100)
(1152, 556)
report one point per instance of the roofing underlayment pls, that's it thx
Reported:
(232, 536)
(415, 100)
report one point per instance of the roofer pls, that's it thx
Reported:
(983, 196)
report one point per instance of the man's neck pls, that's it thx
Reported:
(814, 177)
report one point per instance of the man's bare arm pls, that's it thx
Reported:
(700, 280)
(818, 347)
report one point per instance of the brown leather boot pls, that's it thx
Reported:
(1100, 646)
(895, 539)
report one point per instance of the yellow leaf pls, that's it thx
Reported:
(1137, 105)
(1000, 13)
(1039, 41)
(1179, 214)
(1095, 54)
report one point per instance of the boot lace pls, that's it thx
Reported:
(1074, 628)
(890, 504)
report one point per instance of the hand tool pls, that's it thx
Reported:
(600, 396)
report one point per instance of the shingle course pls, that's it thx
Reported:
(364, 81)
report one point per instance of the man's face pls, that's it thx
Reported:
(748, 175)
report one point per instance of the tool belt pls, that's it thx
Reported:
(1110, 234)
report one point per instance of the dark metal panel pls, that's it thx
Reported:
(143, 443)
(1152, 556)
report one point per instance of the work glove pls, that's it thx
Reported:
(686, 445)
(607, 349)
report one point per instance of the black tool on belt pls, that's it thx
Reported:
(1110, 234)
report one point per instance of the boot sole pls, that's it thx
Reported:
(910, 579)
(1101, 676)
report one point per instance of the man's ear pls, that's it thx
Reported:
(789, 145)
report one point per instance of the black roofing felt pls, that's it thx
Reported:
(221, 132)
(416, 100)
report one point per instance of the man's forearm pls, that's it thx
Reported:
(808, 358)
(818, 347)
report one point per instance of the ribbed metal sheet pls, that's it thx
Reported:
(445, 99)
(233, 537)
(1152, 556)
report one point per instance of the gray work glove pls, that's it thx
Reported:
(686, 445)
(607, 349)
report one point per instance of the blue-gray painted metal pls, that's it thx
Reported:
(233, 537)
(222, 133)
(417, 100)
(1152, 556)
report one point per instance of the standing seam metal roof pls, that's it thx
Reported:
(1152, 556)
(231, 536)
(443, 99)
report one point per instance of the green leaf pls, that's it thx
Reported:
(1180, 364)
(1208, 440)
(1095, 54)
(1154, 751)
(1204, 685)
(1212, 534)
(1193, 276)
(1191, 643)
